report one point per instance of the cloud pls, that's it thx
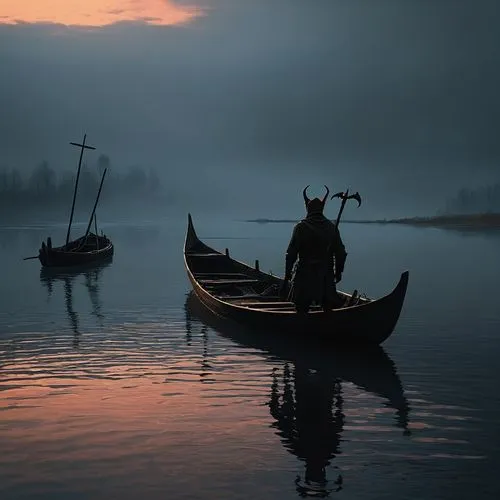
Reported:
(98, 13)
(385, 97)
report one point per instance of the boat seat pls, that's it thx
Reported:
(260, 303)
(290, 308)
(205, 255)
(242, 298)
(217, 282)
(220, 275)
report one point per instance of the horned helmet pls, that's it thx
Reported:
(315, 205)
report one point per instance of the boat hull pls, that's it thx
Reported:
(75, 255)
(369, 322)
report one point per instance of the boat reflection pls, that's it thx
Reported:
(92, 276)
(307, 397)
(206, 367)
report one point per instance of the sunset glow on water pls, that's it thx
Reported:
(96, 13)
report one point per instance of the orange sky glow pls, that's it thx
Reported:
(96, 13)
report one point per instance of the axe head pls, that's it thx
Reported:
(346, 196)
(340, 195)
(356, 197)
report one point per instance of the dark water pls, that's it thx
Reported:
(113, 386)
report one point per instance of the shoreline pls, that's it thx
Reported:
(462, 221)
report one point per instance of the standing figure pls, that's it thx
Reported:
(321, 257)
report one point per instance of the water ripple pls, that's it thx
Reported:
(109, 393)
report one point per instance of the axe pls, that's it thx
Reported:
(344, 197)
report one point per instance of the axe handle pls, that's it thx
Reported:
(342, 205)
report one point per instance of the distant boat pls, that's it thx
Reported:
(87, 249)
(235, 291)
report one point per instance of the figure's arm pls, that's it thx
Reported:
(291, 254)
(339, 253)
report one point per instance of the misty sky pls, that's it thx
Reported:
(396, 99)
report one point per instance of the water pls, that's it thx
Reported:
(113, 385)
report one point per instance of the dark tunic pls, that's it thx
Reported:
(317, 244)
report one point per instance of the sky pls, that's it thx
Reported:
(246, 102)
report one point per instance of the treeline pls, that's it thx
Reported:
(46, 187)
(473, 201)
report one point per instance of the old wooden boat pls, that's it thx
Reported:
(83, 251)
(237, 291)
(89, 248)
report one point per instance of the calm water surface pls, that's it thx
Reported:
(115, 385)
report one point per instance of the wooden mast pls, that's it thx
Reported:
(83, 146)
(96, 234)
(95, 204)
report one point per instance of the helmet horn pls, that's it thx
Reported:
(326, 195)
(306, 199)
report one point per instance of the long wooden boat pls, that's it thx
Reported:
(89, 248)
(237, 291)
(80, 252)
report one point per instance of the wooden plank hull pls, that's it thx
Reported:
(75, 254)
(368, 322)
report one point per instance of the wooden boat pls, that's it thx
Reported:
(236, 291)
(85, 250)
(89, 248)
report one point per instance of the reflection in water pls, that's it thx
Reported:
(97, 13)
(72, 315)
(309, 416)
(92, 284)
(92, 277)
(307, 400)
(206, 367)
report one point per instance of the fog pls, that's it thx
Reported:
(240, 108)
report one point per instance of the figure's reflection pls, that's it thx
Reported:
(308, 411)
(307, 399)
(92, 277)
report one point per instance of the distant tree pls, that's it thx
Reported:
(136, 180)
(42, 179)
(483, 199)
(103, 162)
(88, 183)
(16, 181)
(4, 179)
(66, 183)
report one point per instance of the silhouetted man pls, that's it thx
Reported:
(321, 257)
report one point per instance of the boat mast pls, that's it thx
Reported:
(96, 234)
(95, 204)
(83, 146)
